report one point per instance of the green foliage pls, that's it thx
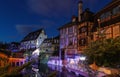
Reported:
(42, 55)
(104, 52)
(53, 74)
(4, 51)
(4, 69)
(16, 71)
(20, 68)
(55, 53)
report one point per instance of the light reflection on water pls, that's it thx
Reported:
(48, 70)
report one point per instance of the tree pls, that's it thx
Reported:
(104, 52)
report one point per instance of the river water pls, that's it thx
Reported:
(50, 71)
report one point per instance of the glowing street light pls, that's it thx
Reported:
(83, 58)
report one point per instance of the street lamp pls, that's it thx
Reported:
(82, 58)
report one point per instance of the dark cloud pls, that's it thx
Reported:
(61, 8)
(51, 8)
(25, 29)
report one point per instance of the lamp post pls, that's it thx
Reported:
(83, 58)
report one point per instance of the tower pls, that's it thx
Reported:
(80, 9)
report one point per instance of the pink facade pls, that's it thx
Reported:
(68, 39)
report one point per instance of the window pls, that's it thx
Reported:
(83, 29)
(102, 16)
(62, 41)
(70, 42)
(116, 10)
(108, 14)
(82, 42)
(70, 30)
(21, 63)
(62, 31)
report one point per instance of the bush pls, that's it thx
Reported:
(53, 74)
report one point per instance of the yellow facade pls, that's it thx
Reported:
(3, 59)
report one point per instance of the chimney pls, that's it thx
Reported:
(80, 9)
(73, 18)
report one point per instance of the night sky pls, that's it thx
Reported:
(19, 17)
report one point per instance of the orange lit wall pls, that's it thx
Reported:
(16, 61)
(3, 59)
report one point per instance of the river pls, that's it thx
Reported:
(49, 71)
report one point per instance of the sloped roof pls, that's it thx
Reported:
(51, 40)
(109, 6)
(32, 36)
(87, 15)
(68, 25)
(106, 8)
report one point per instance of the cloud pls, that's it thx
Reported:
(25, 29)
(51, 8)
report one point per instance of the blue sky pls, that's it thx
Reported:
(19, 17)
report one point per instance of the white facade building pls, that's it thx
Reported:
(33, 40)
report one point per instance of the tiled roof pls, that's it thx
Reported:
(32, 36)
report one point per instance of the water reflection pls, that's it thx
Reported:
(49, 71)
